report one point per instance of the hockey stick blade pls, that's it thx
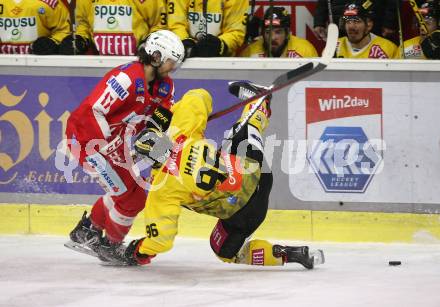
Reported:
(294, 75)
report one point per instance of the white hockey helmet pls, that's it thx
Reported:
(163, 45)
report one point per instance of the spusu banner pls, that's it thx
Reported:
(363, 141)
(33, 116)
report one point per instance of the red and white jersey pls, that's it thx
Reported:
(120, 100)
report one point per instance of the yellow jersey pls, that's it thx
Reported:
(377, 48)
(225, 19)
(22, 22)
(196, 176)
(116, 27)
(296, 48)
(413, 49)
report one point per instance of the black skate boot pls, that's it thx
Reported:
(84, 237)
(299, 254)
(114, 254)
(244, 90)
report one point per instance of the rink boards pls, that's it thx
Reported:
(355, 148)
(301, 225)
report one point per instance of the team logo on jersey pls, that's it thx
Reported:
(140, 99)
(414, 51)
(344, 133)
(140, 86)
(293, 54)
(16, 10)
(41, 11)
(232, 200)
(163, 89)
(376, 52)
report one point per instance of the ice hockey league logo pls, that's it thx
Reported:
(344, 135)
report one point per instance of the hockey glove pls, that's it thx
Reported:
(154, 145)
(44, 46)
(133, 256)
(431, 46)
(67, 47)
(253, 28)
(210, 46)
(189, 44)
(160, 119)
(152, 142)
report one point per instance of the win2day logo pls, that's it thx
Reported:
(344, 136)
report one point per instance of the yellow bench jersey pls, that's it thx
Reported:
(296, 48)
(116, 27)
(22, 22)
(413, 49)
(225, 19)
(377, 48)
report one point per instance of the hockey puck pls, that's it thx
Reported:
(394, 263)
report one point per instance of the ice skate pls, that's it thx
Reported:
(84, 238)
(113, 254)
(299, 254)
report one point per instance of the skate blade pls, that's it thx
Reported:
(318, 257)
(114, 264)
(80, 248)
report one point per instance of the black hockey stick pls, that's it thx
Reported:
(399, 22)
(292, 76)
(330, 12)
(205, 16)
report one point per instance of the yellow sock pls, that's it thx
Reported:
(256, 252)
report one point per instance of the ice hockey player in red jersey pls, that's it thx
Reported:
(130, 99)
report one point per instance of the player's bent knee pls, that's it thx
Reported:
(226, 243)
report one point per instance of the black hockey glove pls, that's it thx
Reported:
(67, 48)
(189, 44)
(431, 46)
(133, 256)
(253, 28)
(160, 119)
(153, 143)
(210, 46)
(44, 46)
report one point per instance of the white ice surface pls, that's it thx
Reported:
(39, 271)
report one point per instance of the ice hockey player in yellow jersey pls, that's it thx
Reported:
(360, 42)
(228, 183)
(208, 28)
(114, 27)
(413, 47)
(33, 26)
(276, 40)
